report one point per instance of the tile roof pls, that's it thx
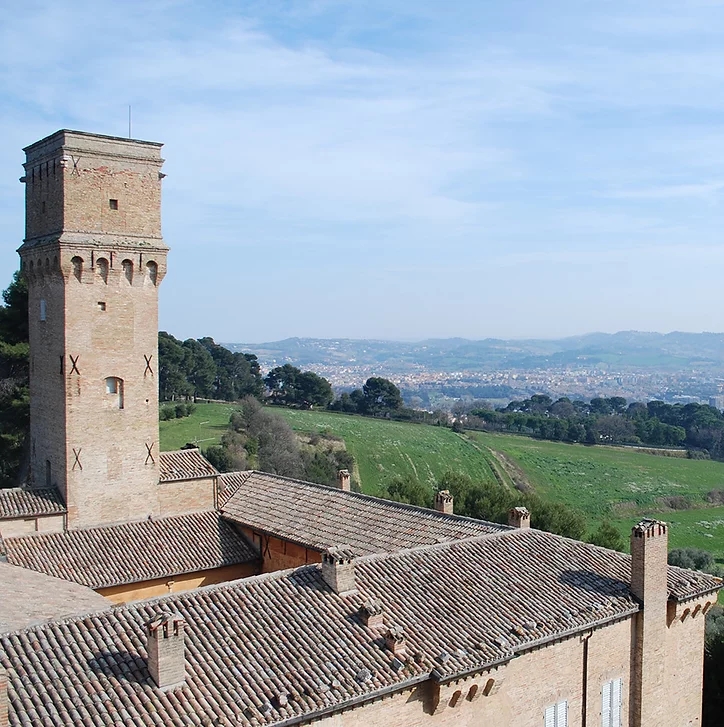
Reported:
(29, 598)
(114, 555)
(185, 464)
(282, 647)
(318, 516)
(16, 503)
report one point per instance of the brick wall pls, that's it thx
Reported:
(27, 526)
(278, 554)
(94, 258)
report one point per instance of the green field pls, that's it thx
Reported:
(204, 427)
(601, 482)
(384, 449)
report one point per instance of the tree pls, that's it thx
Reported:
(607, 537)
(14, 373)
(200, 369)
(172, 381)
(380, 396)
(289, 386)
(408, 489)
(313, 390)
(693, 559)
(237, 374)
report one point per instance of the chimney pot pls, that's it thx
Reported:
(371, 614)
(4, 699)
(444, 502)
(338, 570)
(166, 662)
(344, 480)
(395, 641)
(519, 517)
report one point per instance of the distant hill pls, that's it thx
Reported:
(626, 350)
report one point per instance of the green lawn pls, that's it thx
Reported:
(384, 449)
(622, 485)
(204, 427)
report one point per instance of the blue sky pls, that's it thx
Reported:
(399, 169)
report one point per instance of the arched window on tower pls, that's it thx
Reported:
(114, 391)
(102, 265)
(152, 271)
(77, 263)
(128, 270)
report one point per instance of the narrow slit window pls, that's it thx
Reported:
(114, 390)
(113, 204)
(43, 310)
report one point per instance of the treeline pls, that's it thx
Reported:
(14, 381)
(489, 501)
(258, 438)
(611, 420)
(200, 368)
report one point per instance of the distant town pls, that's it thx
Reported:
(675, 368)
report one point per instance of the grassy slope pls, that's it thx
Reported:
(204, 427)
(384, 449)
(591, 479)
(626, 485)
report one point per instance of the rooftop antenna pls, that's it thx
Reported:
(129, 121)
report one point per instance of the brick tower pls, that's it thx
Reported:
(94, 257)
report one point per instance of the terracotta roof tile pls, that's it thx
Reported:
(185, 464)
(16, 503)
(29, 597)
(284, 646)
(318, 517)
(130, 552)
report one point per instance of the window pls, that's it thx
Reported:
(43, 310)
(611, 703)
(113, 204)
(101, 305)
(114, 390)
(557, 715)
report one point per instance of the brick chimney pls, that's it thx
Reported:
(649, 569)
(344, 480)
(519, 517)
(444, 502)
(396, 642)
(4, 699)
(338, 570)
(371, 614)
(166, 662)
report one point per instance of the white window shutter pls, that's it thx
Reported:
(562, 714)
(606, 704)
(550, 720)
(616, 702)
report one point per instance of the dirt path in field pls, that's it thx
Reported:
(516, 474)
(496, 466)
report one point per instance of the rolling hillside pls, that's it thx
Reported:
(601, 482)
